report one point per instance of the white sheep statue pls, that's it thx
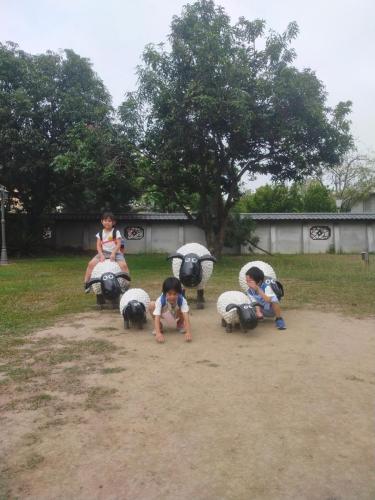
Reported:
(269, 275)
(236, 308)
(193, 264)
(108, 282)
(134, 306)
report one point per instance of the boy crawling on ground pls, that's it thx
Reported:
(108, 246)
(265, 296)
(172, 307)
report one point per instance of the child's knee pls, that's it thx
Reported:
(151, 307)
(123, 266)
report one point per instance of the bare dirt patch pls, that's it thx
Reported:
(87, 414)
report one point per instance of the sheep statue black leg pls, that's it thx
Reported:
(100, 301)
(200, 299)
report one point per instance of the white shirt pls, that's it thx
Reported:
(109, 244)
(159, 310)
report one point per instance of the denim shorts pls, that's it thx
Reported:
(119, 256)
(267, 310)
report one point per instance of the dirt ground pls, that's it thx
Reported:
(263, 415)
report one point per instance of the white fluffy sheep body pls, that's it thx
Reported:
(231, 297)
(263, 266)
(133, 307)
(200, 250)
(134, 294)
(107, 266)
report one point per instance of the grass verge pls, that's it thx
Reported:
(35, 292)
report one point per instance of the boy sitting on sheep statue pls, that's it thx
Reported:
(266, 292)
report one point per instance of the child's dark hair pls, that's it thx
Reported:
(255, 274)
(108, 215)
(172, 284)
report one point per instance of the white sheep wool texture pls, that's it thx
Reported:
(200, 250)
(106, 266)
(266, 268)
(231, 297)
(134, 294)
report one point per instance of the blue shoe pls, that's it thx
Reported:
(280, 324)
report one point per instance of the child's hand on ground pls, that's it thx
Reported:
(188, 337)
(160, 338)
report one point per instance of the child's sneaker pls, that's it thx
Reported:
(280, 324)
(86, 287)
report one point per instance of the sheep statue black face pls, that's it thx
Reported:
(133, 307)
(246, 315)
(236, 308)
(108, 282)
(192, 264)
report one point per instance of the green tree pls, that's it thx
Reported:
(222, 101)
(318, 198)
(272, 198)
(98, 171)
(240, 231)
(46, 101)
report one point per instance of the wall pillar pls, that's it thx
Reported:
(181, 235)
(86, 238)
(370, 227)
(336, 237)
(148, 237)
(305, 238)
(273, 240)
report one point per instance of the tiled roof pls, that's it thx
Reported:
(136, 216)
(177, 216)
(312, 216)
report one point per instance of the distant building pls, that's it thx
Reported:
(365, 206)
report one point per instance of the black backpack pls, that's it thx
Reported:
(114, 230)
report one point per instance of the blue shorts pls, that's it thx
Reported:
(119, 256)
(267, 310)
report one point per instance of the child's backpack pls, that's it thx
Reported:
(276, 286)
(114, 231)
(163, 300)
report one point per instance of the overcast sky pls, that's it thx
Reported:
(337, 40)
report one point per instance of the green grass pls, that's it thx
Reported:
(36, 292)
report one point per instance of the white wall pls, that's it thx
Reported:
(275, 237)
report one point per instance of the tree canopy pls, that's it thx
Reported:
(57, 143)
(352, 180)
(311, 196)
(222, 101)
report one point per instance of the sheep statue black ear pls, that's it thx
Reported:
(207, 257)
(123, 275)
(231, 306)
(92, 282)
(175, 256)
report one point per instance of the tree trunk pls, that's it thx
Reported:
(215, 236)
